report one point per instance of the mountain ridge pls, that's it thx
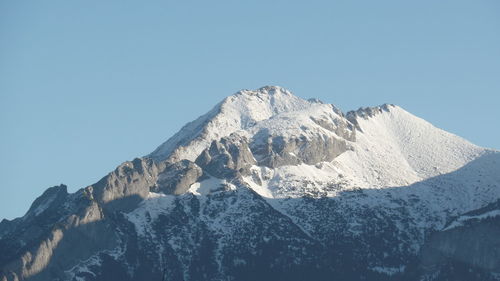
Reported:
(261, 174)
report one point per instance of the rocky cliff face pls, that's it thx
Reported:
(268, 186)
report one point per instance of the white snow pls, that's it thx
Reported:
(263, 188)
(397, 148)
(460, 221)
(44, 205)
(94, 260)
(207, 186)
(298, 123)
(293, 181)
(237, 112)
(149, 210)
(393, 149)
(389, 270)
(438, 174)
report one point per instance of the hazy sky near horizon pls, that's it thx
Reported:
(86, 85)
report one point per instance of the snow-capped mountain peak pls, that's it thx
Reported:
(240, 111)
(269, 186)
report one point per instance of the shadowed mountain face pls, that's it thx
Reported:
(267, 186)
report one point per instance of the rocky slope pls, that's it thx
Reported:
(268, 186)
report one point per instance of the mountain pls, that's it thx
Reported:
(269, 186)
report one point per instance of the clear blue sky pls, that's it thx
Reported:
(86, 85)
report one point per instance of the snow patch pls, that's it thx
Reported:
(461, 221)
(149, 210)
(94, 261)
(207, 186)
(388, 270)
(396, 148)
(44, 205)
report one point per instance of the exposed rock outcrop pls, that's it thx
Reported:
(227, 157)
(177, 177)
(366, 112)
(274, 151)
(67, 228)
(128, 184)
